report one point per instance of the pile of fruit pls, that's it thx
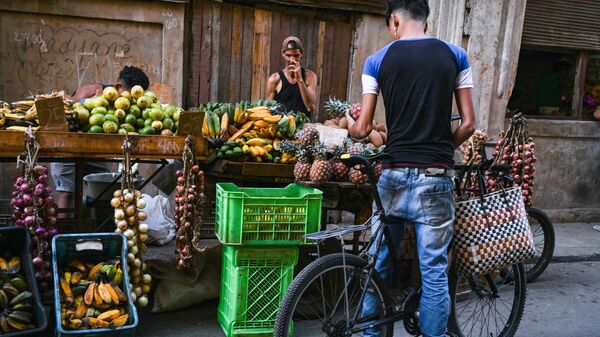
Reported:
(135, 112)
(251, 133)
(33, 207)
(517, 149)
(129, 216)
(189, 206)
(20, 115)
(90, 297)
(16, 307)
(313, 165)
(337, 111)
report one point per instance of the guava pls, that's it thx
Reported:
(122, 103)
(97, 119)
(137, 91)
(110, 127)
(144, 102)
(110, 93)
(120, 113)
(157, 114)
(157, 125)
(99, 101)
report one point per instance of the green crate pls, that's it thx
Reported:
(100, 247)
(266, 216)
(253, 282)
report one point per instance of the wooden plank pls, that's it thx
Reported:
(225, 53)
(236, 54)
(261, 56)
(247, 51)
(320, 52)
(88, 145)
(206, 53)
(215, 45)
(195, 61)
(276, 39)
(328, 65)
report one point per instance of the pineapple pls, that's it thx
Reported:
(336, 108)
(321, 169)
(289, 152)
(340, 170)
(302, 167)
(308, 136)
(357, 176)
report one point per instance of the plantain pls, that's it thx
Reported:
(96, 323)
(91, 312)
(75, 277)
(81, 310)
(2, 119)
(77, 265)
(113, 294)
(120, 321)
(259, 115)
(120, 294)
(88, 298)
(104, 293)
(22, 297)
(66, 289)
(3, 300)
(16, 324)
(4, 327)
(291, 126)
(21, 316)
(18, 283)
(109, 315)
(273, 119)
(14, 265)
(224, 124)
(97, 297)
(3, 265)
(216, 124)
(75, 323)
(10, 290)
(22, 306)
(94, 271)
(257, 142)
(258, 109)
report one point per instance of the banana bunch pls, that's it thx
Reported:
(91, 298)
(12, 266)
(15, 300)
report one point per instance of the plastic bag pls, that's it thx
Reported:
(161, 221)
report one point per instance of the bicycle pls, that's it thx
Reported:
(326, 298)
(543, 237)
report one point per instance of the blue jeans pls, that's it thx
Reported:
(428, 203)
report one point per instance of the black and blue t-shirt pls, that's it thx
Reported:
(417, 79)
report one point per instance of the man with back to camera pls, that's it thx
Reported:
(63, 174)
(418, 77)
(294, 86)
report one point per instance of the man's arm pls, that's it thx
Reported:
(308, 90)
(464, 101)
(86, 91)
(362, 127)
(272, 83)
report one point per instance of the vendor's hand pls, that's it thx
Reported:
(351, 120)
(295, 70)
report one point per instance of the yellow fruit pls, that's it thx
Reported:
(88, 298)
(110, 315)
(120, 321)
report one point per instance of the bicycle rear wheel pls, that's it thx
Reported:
(491, 305)
(323, 296)
(543, 237)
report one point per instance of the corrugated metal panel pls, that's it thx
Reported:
(563, 23)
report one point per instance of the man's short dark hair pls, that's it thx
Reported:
(134, 76)
(417, 9)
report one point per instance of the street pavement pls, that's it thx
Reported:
(563, 302)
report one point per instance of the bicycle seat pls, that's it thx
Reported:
(351, 160)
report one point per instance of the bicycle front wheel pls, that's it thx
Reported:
(323, 299)
(490, 305)
(543, 237)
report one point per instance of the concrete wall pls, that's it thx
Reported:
(61, 44)
(567, 184)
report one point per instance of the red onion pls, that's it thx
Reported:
(27, 199)
(40, 169)
(48, 189)
(51, 211)
(25, 187)
(40, 231)
(43, 179)
(179, 173)
(38, 262)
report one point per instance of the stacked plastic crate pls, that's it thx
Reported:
(260, 229)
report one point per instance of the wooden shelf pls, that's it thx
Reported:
(90, 145)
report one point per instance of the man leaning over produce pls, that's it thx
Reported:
(294, 86)
(418, 76)
(63, 174)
